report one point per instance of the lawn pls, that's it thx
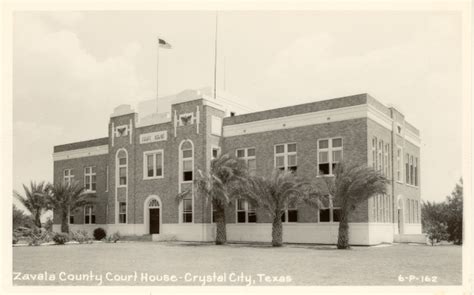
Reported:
(152, 263)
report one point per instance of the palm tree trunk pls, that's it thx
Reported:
(343, 235)
(221, 232)
(38, 219)
(64, 223)
(277, 231)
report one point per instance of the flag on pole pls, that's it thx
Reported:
(163, 44)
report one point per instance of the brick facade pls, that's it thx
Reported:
(357, 120)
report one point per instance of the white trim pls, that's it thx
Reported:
(131, 131)
(216, 125)
(112, 133)
(80, 153)
(107, 178)
(146, 213)
(400, 164)
(153, 137)
(145, 166)
(306, 119)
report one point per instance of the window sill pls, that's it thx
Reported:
(123, 185)
(326, 175)
(154, 177)
(90, 191)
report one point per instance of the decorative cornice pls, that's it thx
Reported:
(81, 153)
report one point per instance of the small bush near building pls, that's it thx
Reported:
(81, 236)
(99, 233)
(61, 238)
(113, 238)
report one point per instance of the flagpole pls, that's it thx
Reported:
(215, 59)
(157, 72)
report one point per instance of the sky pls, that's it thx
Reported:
(70, 69)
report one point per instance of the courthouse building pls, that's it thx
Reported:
(141, 166)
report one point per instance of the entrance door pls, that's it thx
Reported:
(154, 220)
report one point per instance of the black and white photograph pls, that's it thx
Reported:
(235, 146)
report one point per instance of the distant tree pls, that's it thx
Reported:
(65, 198)
(20, 219)
(353, 184)
(433, 221)
(34, 200)
(454, 214)
(274, 194)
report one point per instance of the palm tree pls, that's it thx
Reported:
(274, 194)
(65, 198)
(353, 184)
(34, 200)
(214, 186)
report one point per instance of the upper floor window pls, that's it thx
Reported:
(416, 171)
(71, 217)
(68, 176)
(90, 178)
(89, 214)
(330, 213)
(107, 178)
(122, 168)
(286, 157)
(329, 154)
(407, 168)
(399, 164)
(380, 156)
(153, 164)
(374, 152)
(248, 156)
(187, 164)
(412, 180)
(387, 159)
(246, 213)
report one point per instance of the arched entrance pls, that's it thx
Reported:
(152, 214)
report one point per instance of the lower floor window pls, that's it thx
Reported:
(89, 214)
(290, 215)
(122, 212)
(71, 219)
(246, 213)
(187, 210)
(213, 217)
(332, 214)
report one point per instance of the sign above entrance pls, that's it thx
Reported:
(153, 137)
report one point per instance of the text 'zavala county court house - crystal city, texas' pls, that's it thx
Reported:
(146, 161)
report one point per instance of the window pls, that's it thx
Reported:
(89, 214)
(188, 210)
(407, 169)
(412, 181)
(329, 154)
(122, 212)
(291, 214)
(71, 218)
(399, 164)
(215, 152)
(248, 155)
(330, 214)
(107, 178)
(246, 213)
(122, 168)
(67, 176)
(380, 159)
(416, 171)
(153, 164)
(213, 214)
(187, 164)
(186, 119)
(286, 157)
(90, 178)
(387, 160)
(374, 152)
(381, 208)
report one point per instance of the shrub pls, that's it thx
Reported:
(113, 238)
(99, 233)
(436, 232)
(81, 236)
(61, 238)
